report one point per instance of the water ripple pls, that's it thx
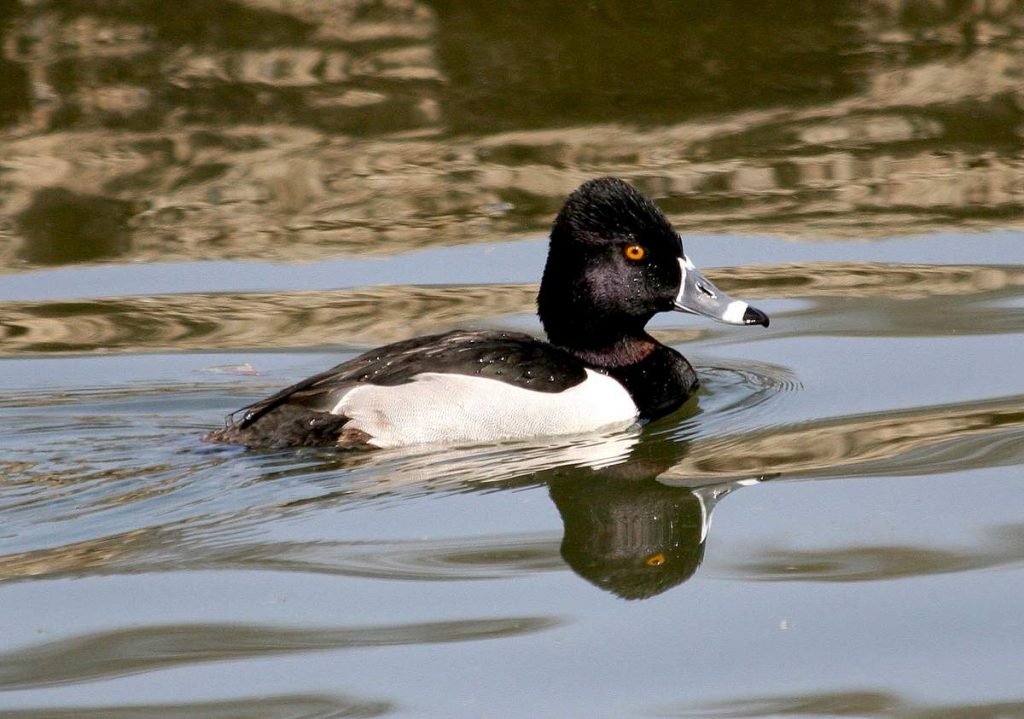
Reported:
(731, 392)
(846, 703)
(290, 706)
(375, 315)
(918, 441)
(195, 546)
(121, 652)
(1002, 547)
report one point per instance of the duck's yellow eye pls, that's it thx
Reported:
(634, 252)
(655, 560)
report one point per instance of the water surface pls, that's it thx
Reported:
(202, 207)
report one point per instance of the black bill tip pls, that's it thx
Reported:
(755, 317)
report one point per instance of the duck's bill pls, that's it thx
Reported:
(699, 296)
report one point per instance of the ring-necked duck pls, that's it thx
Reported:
(614, 262)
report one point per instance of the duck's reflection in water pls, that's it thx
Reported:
(635, 538)
(626, 532)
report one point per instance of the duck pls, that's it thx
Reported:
(614, 261)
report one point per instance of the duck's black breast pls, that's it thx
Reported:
(660, 383)
(302, 414)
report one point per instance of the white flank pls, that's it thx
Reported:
(734, 312)
(438, 407)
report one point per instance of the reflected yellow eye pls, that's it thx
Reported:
(634, 252)
(655, 560)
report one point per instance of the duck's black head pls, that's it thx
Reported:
(613, 263)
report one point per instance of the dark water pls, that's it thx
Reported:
(204, 203)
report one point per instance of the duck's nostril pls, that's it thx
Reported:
(705, 290)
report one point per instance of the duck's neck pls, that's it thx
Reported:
(658, 378)
(575, 322)
(603, 349)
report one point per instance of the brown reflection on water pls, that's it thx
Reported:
(872, 279)
(61, 226)
(298, 130)
(78, 558)
(376, 315)
(1004, 547)
(174, 549)
(291, 706)
(222, 321)
(124, 652)
(916, 441)
(847, 703)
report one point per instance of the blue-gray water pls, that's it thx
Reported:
(197, 212)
